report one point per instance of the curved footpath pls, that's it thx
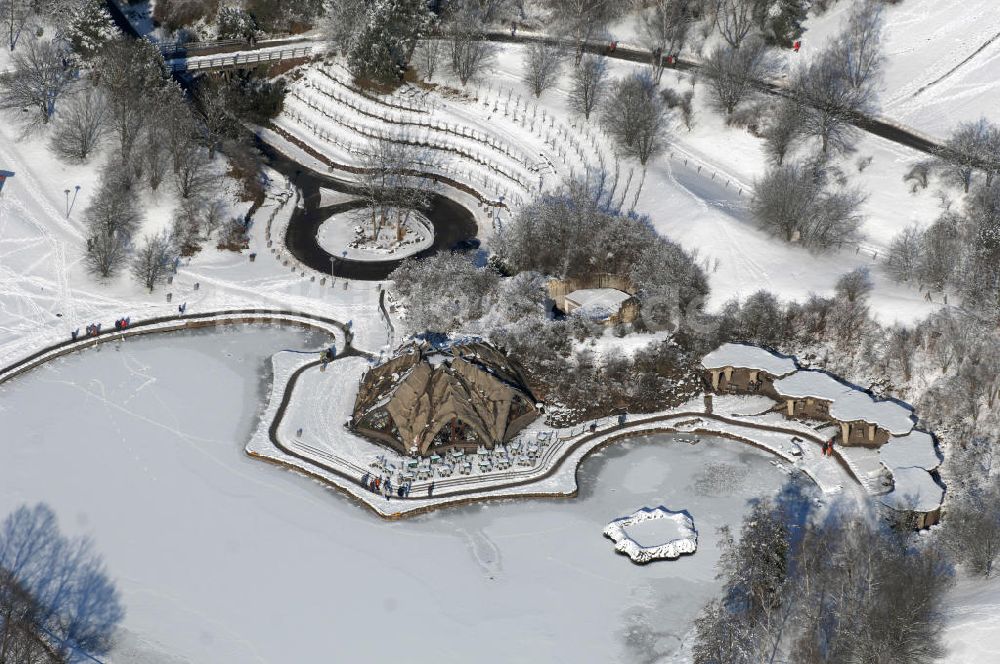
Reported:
(185, 322)
(550, 478)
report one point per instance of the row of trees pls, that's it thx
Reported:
(154, 136)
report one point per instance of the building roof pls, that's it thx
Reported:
(847, 403)
(858, 405)
(914, 450)
(598, 301)
(914, 490)
(815, 384)
(472, 392)
(743, 356)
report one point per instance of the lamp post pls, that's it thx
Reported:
(67, 202)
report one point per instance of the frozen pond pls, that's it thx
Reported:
(221, 558)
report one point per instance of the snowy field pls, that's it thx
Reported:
(941, 60)
(221, 558)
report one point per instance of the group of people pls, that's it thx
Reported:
(91, 330)
(828, 448)
(94, 329)
(658, 55)
(383, 485)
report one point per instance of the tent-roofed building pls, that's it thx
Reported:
(429, 399)
(745, 368)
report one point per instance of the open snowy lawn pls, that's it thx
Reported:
(941, 60)
(972, 634)
(221, 558)
(693, 196)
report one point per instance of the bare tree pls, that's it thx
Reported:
(783, 129)
(791, 202)
(194, 172)
(905, 254)
(73, 608)
(428, 57)
(41, 75)
(132, 73)
(860, 44)
(15, 15)
(969, 147)
(664, 29)
(589, 83)
(636, 118)
(584, 19)
(107, 252)
(470, 52)
(391, 182)
(541, 66)
(735, 20)
(733, 73)
(829, 103)
(344, 22)
(113, 208)
(974, 526)
(153, 258)
(80, 126)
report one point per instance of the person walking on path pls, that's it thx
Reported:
(430, 490)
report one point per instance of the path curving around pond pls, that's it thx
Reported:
(186, 322)
(452, 222)
(556, 474)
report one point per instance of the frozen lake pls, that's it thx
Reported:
(221, 558)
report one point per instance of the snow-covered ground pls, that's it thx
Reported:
(972, 635)
(222, 558)
(941, 60)
(348, 234)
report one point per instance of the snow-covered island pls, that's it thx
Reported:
(656, 533)
(355, 236)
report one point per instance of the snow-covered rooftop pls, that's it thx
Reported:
(889, 415)
(598, 300)
(815, 384)
(847, 404)
(914, 450)
(744, 356)
(915, 490)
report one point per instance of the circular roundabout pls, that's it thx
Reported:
(450, 224)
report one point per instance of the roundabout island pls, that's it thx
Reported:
(359, 235)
